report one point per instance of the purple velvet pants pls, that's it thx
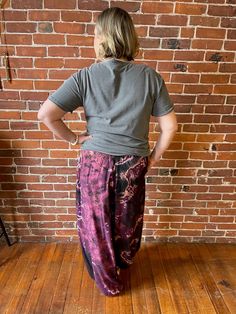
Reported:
(110, 195)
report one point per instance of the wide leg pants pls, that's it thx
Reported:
(110, 195)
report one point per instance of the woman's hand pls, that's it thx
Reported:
(152, 161)
(83, 137)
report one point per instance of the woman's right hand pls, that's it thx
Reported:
(83, 137)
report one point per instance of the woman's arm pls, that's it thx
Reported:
(168, 127)
(50, 114)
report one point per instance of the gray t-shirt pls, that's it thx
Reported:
(118, 99)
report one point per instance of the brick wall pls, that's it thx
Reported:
(191, 195)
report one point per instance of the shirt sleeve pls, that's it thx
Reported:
(162, 104)
(69, 96)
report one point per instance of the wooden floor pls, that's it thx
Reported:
(165, 278)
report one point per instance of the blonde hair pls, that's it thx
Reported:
(119, 38)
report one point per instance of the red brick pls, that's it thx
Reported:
(141, 31)
(70, 28)
(219, 109)
(149, 43)
(47, 85)
(63, 154)
(19, 84)
(27, 4)
(21, 27)
(127, 5)
(31, 51)
(87, 53)
(78, 63)
(230, 45)
(38, 135)
(226, 156)
(193, 9)
(228, 22)
(222, 129)
(54, 4)
(202, 67)
(32, 74)
(49, 39)
(45, 27)
(19, 39)
(185, 78)
(163, 32)
(225, 89)
(63, 51)
(195, 128)
(10, 115)
(22, 125)
(207, 118)
(26, 144)
(204, 21)
(144, 19)
(176, 43)
(210, 33)
(17, 62)
(210, 99)
(33, 95)
(76, 16)
(174, 20)
(97, 5)
(187, 32)
(4, 125)
(49, 63)
(228, 67)
(80, 40)
(214, 78)
(61, 75)
(221, 10)
(15, 15)
(233, 79)
(44, 15)
(158, 54)
(198, 89)
(157, 7)
(231, 100)
(189, 55)
(231, 34)
(225, 56)
(207, 44)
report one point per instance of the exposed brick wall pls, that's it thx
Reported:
(191, 195)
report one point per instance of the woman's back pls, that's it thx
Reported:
(118, 98)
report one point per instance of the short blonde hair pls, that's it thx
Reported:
(119, 36)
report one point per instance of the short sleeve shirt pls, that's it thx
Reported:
(118, 99)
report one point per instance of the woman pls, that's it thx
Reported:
(118, 97)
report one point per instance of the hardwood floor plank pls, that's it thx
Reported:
(201, 260)
(86, 294)
(152, 302)
(111, 303)
(98, 301)
(39, 277)
(137, 288)
(223, 271)
(205, 305)
(49, 284)
(173, 274)
(11, 287)
(72, 301)
(125, 300)
(161, 283)
(58, 300)
(8, 259)
(28, 273)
